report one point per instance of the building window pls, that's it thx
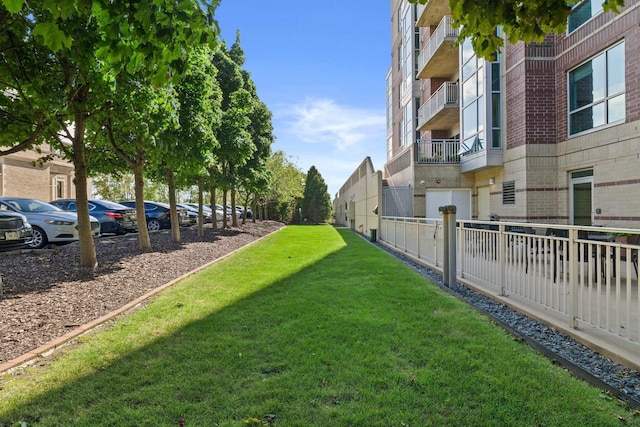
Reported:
(582, 12)
(509, 193)
(597, 91)
(59, 189)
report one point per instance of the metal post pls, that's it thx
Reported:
(445, 234)
(452, 247)
(449, 234)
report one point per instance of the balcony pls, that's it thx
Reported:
(439, 57)
(437, 151)
(441, 109)
(431, 13)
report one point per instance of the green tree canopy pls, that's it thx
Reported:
(316, 204)
(520, 20)
(285, 186)
(59, 60)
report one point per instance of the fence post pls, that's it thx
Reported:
(502, 257)
(573, 277)
(449, 234)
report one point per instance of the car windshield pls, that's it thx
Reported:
(30, 205)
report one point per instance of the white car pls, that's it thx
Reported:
(50, 223)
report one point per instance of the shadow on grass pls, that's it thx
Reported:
(354, 338)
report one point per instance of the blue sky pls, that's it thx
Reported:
(320, 67)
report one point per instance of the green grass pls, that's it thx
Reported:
(317, 327)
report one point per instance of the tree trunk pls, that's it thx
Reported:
(225, 223)
(88, 256)
(253, 208)
(175, 221)
(200, 210)
(143, 232)
(212, 203)
(234, 217)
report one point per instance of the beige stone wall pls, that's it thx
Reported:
(437, 177)
(355, 202)
(21, 177)
(614, 155)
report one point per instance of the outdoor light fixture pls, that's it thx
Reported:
(492, 181)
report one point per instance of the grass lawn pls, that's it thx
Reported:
(312, 326)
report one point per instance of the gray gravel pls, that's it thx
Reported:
(618, 377)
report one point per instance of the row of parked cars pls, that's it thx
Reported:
(33, 223)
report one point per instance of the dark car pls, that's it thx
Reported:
(158, 214)
(114, 218)
(15, 231)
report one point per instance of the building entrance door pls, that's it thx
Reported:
(484, 204)
(581, 198)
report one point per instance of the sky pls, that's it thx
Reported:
(320, 67)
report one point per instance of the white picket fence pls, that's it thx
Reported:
(586, 275)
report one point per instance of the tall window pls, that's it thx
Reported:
(59, 188)
(597, 91)
(472, 100)
(582, 12)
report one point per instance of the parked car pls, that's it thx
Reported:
(193, 210)
(50, 224)
(230, 212)
(114, 217)
(220, 212)
(240, 209)
(158, 214)
(15, 231)
(193, 213)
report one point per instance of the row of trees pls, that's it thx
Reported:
(143, 87)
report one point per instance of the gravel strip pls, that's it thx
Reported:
(626, 381)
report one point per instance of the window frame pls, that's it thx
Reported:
(593, 15)
(601, 101)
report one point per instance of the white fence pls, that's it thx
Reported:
(586, 275)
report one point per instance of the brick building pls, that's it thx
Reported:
(545, 132)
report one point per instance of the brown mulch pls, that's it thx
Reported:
(46, 293)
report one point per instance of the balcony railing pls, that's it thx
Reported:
(446, 97)
(439, 151)
(443, 37)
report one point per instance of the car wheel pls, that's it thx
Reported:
(153, 225)
(38, 238)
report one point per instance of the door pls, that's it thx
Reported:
(581, 198)
(461, 198)
(484, 205)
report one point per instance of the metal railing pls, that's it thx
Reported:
(587, 276)
(446, 96)
(444, 32)
(437, 151)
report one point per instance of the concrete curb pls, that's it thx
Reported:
(31, 356)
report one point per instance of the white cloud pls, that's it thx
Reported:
(322, 121)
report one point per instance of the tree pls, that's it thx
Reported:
(198, 113)
(286, 184)
(59, 59)
(253, 175)
(520, 20)
(137, 115)
(316, 204)
(236, 144)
